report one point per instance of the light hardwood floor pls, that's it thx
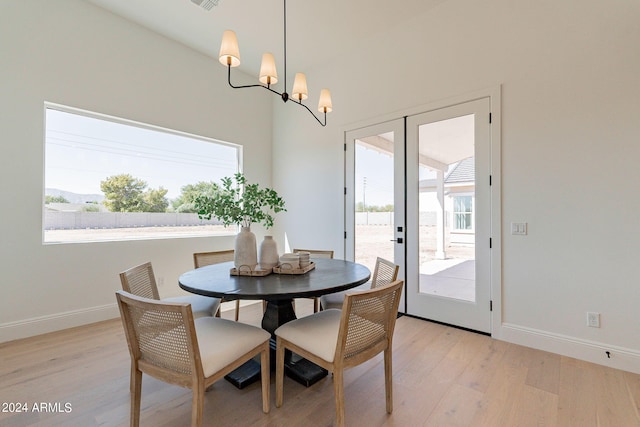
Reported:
(442, 376)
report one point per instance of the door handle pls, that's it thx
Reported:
(398, 240)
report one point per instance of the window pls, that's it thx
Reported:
(114, 179)
(463, 213)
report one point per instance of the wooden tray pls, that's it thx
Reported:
(245, 270)
(282, 269)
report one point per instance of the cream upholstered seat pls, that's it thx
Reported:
(167, 343)
(141, 281)
(316, 253)
(384, 273)
(340, 339)
(200, 259)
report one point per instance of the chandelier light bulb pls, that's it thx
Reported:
(324, 104)
(229, 50)
(268, 73)
(300, 92)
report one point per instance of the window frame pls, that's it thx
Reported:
(145, 126)
(455, 213)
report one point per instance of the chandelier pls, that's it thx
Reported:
(230, 57)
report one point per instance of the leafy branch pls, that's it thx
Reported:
(231, 204)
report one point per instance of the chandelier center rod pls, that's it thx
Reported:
(285, 95)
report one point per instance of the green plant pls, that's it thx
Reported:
(232, 205)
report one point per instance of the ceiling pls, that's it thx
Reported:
(317, 31)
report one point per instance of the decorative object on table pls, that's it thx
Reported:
(285, 269)
(268, 253)
(229, 56)
(241, 204)
(289, 261)
(246, 253)
(304, 259)
(243, 270)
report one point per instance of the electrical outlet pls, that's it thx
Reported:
(160, 280)
(593, 319)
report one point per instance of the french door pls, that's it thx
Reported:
(449, 215)
(374, 194)
(418, 193)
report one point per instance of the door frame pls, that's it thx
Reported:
(495, 97)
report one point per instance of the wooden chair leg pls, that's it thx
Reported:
(316, 305)
(237, 309)
(132, 379)
(388, 380)
(279, 372)
(338, 387)
(197, 404)
(136, 396)
(265, 368)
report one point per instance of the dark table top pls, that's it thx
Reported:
(329, 275)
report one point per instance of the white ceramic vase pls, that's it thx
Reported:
(245, 249)
(268, 253)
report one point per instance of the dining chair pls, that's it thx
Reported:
(166, 342)
(201, 259)
(340, 339)
(316, 253)
(384, 273)
(141, 281)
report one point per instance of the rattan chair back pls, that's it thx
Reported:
(140, 281)
(201, 259)
(384, 273)
(162, 337)
(316, 253)
(367, 324)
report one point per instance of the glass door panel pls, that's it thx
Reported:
(374, 199)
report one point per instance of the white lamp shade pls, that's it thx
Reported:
(229, 50)
(300, 92)
(324, 104)
(268, 73)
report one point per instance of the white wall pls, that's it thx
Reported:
(570, 146)
(73, 53)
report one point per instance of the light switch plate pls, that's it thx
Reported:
(519, 228)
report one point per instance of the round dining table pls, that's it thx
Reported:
(278, 290)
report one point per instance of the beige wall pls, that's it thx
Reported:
(73, 53)
(568, 73)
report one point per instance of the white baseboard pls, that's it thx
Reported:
(69, 319)
(55, 322)
(591, 351)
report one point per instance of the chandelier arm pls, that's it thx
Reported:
(239, 87)
(281, 95)
(312, 113)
